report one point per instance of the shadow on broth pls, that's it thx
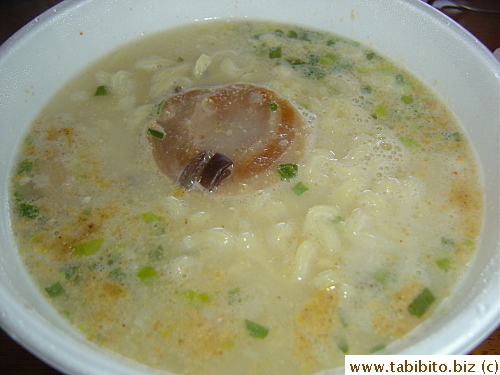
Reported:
(257, 197)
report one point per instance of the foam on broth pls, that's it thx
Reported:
(283, 276)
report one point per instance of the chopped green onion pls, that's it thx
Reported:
(377, 348)
(147, 274)
(180, 59)
(380, 110)
(314, 72)
(400, 78)
(314, 59)
(275, 52)
(407, 99)
(156, 133)
(29, 211)
(233, 296)
(382, 276)
(385, 68)
(410, 142)
(55, 290)
(329, 58)
(456, 136)
(337, 220)
(87, 211)
(370, 56)
(116, 274)
(444, 263)
(159, 230)
(256, 330)
(101, 91)
(343, 346)
(87, 248)
(343, 318)
(324, 61)
(304, 36)
(469, 242)
(287, 171)
(363, 70)
(195, 298)
(149, 217)
(332, 56)
(28, 140)
(158, 107)
(24, 166)
(421, 303)
(292, 34)
(273, 106)
(296, 61)
(70, 271)
(300, 188)
(156, 253)
(447, 242)
(366, 90)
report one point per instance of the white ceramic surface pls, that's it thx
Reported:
(61, 42)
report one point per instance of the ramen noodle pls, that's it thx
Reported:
(347, 206)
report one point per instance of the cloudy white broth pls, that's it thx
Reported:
(238, 197)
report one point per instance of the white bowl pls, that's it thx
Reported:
(37, 60)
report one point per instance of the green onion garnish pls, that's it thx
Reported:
(444, 263)
(447, 242)
(337, 219)
(343, 346)
(233, 296)
(273, 106)
(87, 211)
(407, 99)
(159, 106)
(370, 56)
(70, 271)
(382, 276)
(29, 211)
(410, 142)
(195, 298)
(300, 188)
(55, 290)
(377, 348)
(147, 274)
(287, 171)
(156, 133)
(87, 248)
(421, 303)
(275, 52)
(380, 110)
(101, 91)
(156, 253)
(256, 330)
(149, 217)
(24, 166)
(296, 61)
(116, 274)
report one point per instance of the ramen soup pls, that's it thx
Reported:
(239, 197)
